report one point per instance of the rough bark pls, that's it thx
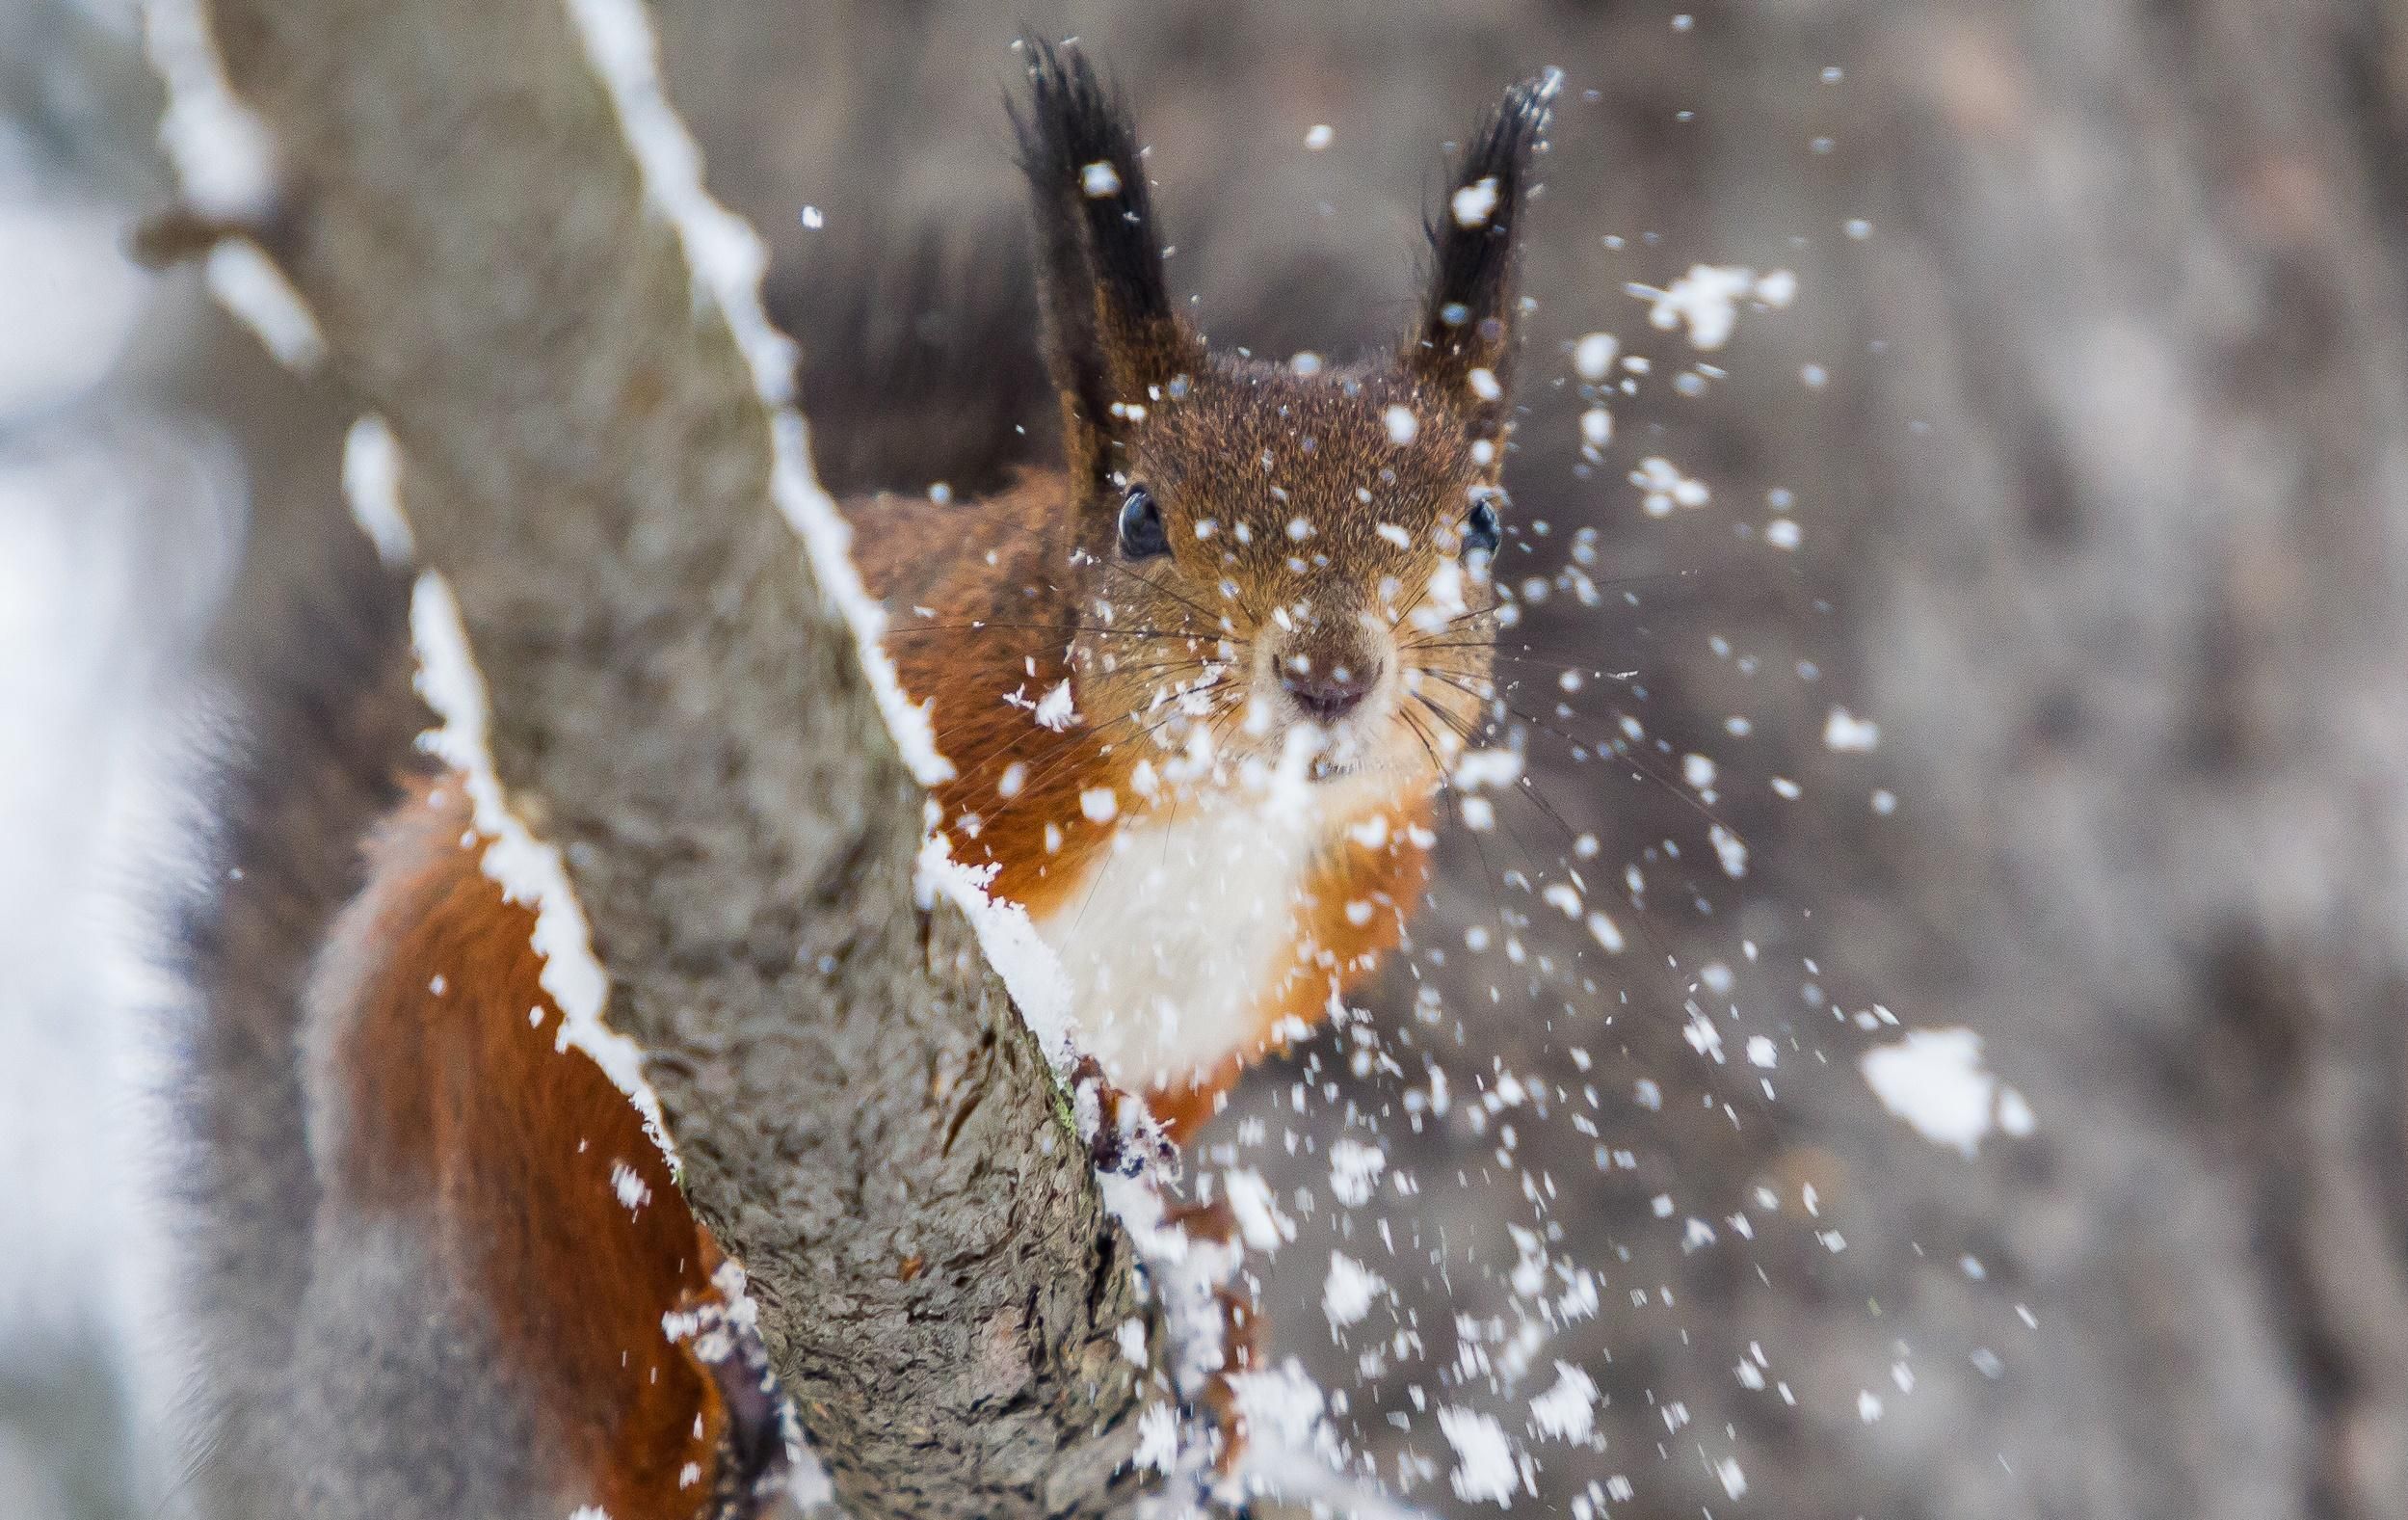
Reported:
(863, 1119)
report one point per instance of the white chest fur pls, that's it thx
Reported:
(1170, 943)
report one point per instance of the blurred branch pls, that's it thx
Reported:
(864, 1119)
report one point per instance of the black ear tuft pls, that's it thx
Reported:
(1112, 340)
(1078, 146)
(1466, 318)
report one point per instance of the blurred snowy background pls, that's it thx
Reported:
(2061, 437)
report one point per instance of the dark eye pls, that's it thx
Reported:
(1480, 529)
(1142, 535)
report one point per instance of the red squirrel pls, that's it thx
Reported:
(438, 1266)
(1200, 682)
(1198, 686)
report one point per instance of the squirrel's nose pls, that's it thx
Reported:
(1327, 696)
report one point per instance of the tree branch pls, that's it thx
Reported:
(864, 1119)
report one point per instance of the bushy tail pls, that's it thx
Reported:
(323, 735)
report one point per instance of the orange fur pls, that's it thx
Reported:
(460, 1109)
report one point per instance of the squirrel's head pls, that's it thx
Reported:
(1276, 558)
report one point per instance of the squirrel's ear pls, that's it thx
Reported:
(1463, 342)
(1112, 338)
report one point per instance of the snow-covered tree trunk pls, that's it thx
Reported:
(864, 1122)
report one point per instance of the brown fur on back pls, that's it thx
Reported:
(405, 1288)
(445, 1097)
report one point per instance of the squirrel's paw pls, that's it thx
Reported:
(1122, 1137)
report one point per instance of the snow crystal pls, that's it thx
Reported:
(1734, 1482)
(1592, 357)
(1597, 427)
(1708, 300)
(1349, 1291)
(1355, 1168)
(1666, 486)
(1783, 533)
(1479, 769)
(1132, 1339)
(1403, 427)
(1606, 933)
(1157, 1438)
(1475, 203)
(372, 489)
(1849, 734)
(1730, 849)
(1099, 803)
(1486, 1470)
(1703, 1036)
(629, 1183)
(1483, 383)
(1566, 1411)
(1281, 1407)
(1100, 179)
(1934, 1080)
(248, 283)
(1319, 138)
(2015, 1115)
(1053, 710)
(1258, 1218)
(1761, 1051)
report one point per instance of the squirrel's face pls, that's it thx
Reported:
(1277, 567)
(1287, 569)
